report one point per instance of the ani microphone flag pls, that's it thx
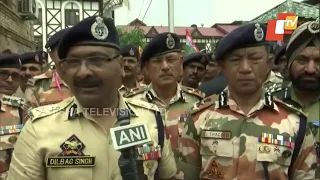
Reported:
(190, 47)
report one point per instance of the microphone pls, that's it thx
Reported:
(125, 138)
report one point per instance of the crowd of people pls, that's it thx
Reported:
(248, 110)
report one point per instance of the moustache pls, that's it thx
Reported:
(87, 82)
(308, 76)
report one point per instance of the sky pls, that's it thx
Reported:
(188, 12)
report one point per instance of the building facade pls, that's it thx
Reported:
(54, 15)
(205, 38)
(16, 33)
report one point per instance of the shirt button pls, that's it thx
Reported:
(286, 153)
(12, 139)
(110, 141)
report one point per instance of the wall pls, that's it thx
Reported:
(15, 33)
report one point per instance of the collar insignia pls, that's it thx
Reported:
(99, 30)
(170, 42)
(71, 155)
(258, 33)
(72, 114)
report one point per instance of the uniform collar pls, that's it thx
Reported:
(151, 95)
(76, 109)
(122, 87)
(266, 100)
(274, 78)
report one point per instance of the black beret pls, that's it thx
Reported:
(33, 57)
(248, 35)
(199, 57)
(279, 52)
(211, 56)
(54, 40)
(92, 31)
(10, 60)
(161, 44)
(130, 50)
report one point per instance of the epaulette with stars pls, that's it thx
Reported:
(47, 110)
(290, 107)
(14, 101)
(134, 91)
(192, 91)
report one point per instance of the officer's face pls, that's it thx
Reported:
(193, 73)
(93, 74)
(130, 66)
(165, 69)
(9, 80)
(246, 69)
(30, 70)
(211, 70)
(305, 70)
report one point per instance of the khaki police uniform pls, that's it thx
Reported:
(56, 130)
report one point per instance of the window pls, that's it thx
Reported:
(71, 17)
(39, 21)
(39, 42)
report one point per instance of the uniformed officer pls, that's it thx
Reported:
(12, 109)
(162, 58)
(246, 134)
(48, 88)
(32, 63)
(212, 69)
(304, 68)
(79, 126)
(194, 66)
(131, 65)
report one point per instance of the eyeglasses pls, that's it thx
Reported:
(4, 75)
(93, 62)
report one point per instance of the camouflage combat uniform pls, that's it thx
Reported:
(12, 117)
(222, 142)
(43, 90)
(273, 78)
(179, 104)
(312, 110)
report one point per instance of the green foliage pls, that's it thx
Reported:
(135, 36)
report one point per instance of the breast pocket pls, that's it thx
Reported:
(70, 173)
(279, 157)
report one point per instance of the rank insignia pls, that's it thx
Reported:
(148, 152)
(71, 155)
(214, 171)
(276, 140)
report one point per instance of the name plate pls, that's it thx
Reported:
(71, 161)
(216, 134)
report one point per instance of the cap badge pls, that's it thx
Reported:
(99, 30)
(37, 58)
(131, 52)
(170, 42)
(258, 33)
(203, 60)
(314, 27)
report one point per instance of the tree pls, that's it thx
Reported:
(135, 36)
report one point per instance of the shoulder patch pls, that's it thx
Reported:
(143, 104)
(47, 110)
(289, 107)
(204, 103)
(14, 101)
(192, 91)
(135, 91)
